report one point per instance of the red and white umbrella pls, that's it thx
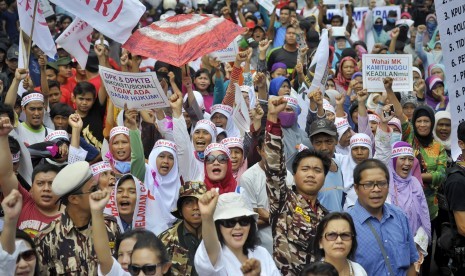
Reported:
(183, 38)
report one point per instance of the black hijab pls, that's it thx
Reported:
(421, 111)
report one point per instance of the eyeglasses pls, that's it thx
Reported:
(222, 159)
(332, 236)
(231, 223)
(372, 184)
(147, 269)
(28, 255)
(92, 189)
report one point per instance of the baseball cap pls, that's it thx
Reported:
(13, 52)
(323, 126)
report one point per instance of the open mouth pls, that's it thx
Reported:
(237, 237)
(200, 143)
(46, 198)
(216, 171)
(405, 170)
(124, 205)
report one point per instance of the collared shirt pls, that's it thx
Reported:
(63, 249)
(394, 232)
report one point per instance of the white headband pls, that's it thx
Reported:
(57, 134)
(373, 117)
(119, 130)
(226, 110)
(100, 167)
(165, 144)
(216, 146)
(401, 151)
(233, 142)
(32, 97)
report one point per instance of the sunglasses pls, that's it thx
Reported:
(231, 223)
(332, 236)
(147, 269)
(28, 255)
(222, 159)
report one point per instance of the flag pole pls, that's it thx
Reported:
(29, 44)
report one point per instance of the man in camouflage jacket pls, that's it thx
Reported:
(294, 213)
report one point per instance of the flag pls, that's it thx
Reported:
(240, 114)
(319, 63)
(76, 40)
(115, 18)
(41, 36)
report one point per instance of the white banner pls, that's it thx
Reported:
(378, 67)
(41, 36)
(229, 53)
(113, 18)
(240, 114)
(46, 8)
(320, 61)
(452, 29)
(358, 13)
(267, 4)
(76, 40)
(336, 2)
(137, 90)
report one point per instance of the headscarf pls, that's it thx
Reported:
(163, 190)
(226, 185)
(379, 36)
(226, 110)
(420, 111)
(276, 84)
(431, 26)
(331, 93)
(348, 165)
(407, 193)
(443, 69)
(210, 128)
(140, 216)
(119, 166)
(415, 69)
(360, 51)
(340, 80)
(431, 82)
(406, 14)
(236, 142)
(438, 116)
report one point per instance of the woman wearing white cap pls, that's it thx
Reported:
(229, 234)
(190, 154)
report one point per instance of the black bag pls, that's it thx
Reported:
(446, 240)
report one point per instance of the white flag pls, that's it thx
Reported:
(76, 40)
(41, 36)
(320, 60)
(241, 116)
(113, 18)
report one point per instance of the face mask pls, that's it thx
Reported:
(378, 28)
(396, 137)
(123, 167)
(287, 119)
(431, 25)
(391, 20)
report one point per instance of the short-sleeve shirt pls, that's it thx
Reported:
(31, 220)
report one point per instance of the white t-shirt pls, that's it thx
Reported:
(253, 189)
(116, 270)
(228, 264)
(31, 136)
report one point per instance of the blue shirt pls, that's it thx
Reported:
(330, 195)
(280, 35)
(395, 235)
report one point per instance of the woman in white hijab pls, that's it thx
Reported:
(442, 130)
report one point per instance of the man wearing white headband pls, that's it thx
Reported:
(33, 130)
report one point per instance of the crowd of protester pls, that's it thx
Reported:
(367, 186)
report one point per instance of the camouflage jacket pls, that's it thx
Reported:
(64, 250)
(179, 254)
(292, 220)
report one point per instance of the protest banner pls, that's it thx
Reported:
(240, 114)
(229, 53)
(136, 90)
(32, 22)
(336, 2)
(451, 26)
(115, 19)
(358, 13)
(378, 67)
(76, 40)
(46, 8)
